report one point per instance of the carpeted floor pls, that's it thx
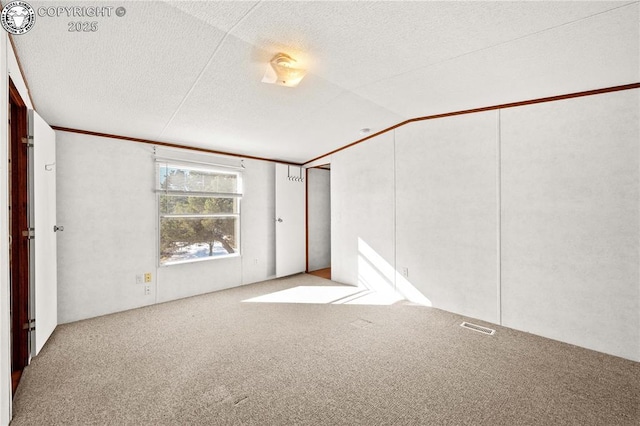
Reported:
(214, 359)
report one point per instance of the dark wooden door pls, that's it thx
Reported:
(19, 225)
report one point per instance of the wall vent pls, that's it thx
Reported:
(478, 328)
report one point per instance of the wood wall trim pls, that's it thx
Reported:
(306, 217)
(388, 129)
(483, 109)
(24, 79)
(14, 95)
(170, 145)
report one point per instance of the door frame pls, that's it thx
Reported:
(325, 166)
(19, 247)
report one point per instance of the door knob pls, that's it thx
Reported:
(280, 220)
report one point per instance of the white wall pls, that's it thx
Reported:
(526, 216)
(570, 236)
(107, 205)
(258, 222)
(319, 218)
(446, 204)
(362, 210)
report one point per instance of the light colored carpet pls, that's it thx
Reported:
(214, 359)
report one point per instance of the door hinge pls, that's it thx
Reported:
(28, 141)
(29, 233)
(30, 326)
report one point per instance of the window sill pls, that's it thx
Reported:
(199, 260)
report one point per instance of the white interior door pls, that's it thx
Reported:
(43, 264)
(290, 220)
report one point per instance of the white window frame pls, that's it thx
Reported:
(197, 166)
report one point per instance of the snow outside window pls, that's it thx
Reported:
(199, 212)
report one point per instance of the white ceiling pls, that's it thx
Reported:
(190, 72)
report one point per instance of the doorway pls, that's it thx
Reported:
(19, 234)
(319, 221)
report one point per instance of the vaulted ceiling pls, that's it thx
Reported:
(190, 72)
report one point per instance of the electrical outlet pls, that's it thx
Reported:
(147, 289)
(255, 261)
(139, 279)
(147, 277)
(405, 272)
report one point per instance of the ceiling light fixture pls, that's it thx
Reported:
(281, 71)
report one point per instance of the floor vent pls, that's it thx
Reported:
(478, 328)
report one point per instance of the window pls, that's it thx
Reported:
(199, 211)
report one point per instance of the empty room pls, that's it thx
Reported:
(316, 212)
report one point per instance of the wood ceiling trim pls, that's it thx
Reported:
(15, 54)
(483, 109)
(170, 145)
(131, 139)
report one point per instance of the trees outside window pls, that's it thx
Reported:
(199, 209)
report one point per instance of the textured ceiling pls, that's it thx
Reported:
(190, 72)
